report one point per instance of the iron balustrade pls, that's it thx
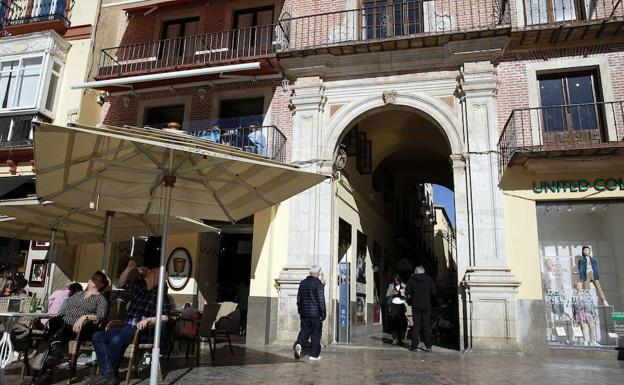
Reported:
(399, 19)
(36, 11)
(16, 131)
(538, 13)
(245, 133)
(189, 51)
(563, 127)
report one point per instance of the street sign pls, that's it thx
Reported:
(617, 316)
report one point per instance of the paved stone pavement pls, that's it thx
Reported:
(382, 364)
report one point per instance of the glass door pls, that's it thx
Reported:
(387, 18)
(175, 44)
(253, 31)
(570, 113)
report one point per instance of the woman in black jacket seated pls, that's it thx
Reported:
(88, 305)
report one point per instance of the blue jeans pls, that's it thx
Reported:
(110, 346)
(313, 327)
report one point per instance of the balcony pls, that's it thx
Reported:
(189, 52)
(558, 21)
(244, 133)
(402, 25)
(16, 137)
(26, 16)
(566, 130)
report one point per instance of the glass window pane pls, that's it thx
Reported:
(56, 67)
(581, 91)
(564, 10)
(536, 11)
(28, 85)
(7, 82)
(50, 98)
(551, 94)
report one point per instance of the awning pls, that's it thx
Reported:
(31, 219)
(121, 169)
(127, 81)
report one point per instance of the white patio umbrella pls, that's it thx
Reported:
(46, 221)
(149, 171)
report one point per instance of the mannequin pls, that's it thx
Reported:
(584, 312)
(588, 272)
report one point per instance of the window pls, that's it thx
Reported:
(252, 29)
(19, 82)
(569, 104)
(553, 11)
(158, 117)
(55, 77)
(173, 32)
(386, 18)
(241, 112)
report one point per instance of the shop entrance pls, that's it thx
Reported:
(395, 211)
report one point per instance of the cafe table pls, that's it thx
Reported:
(8, 321)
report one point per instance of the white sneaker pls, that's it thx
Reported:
(297, 351)
(314, 358)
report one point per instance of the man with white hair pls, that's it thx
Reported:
(420, 289)
(311, 307)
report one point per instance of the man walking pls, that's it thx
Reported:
(311, 307)
(420, 290)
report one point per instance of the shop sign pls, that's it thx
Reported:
(578, 185)
(617, 316)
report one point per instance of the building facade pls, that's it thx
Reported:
(511, 104)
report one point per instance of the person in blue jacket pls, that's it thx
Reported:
(312, 311)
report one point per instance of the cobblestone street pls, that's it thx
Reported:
(377, 365)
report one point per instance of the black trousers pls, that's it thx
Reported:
(311, 327)
(422, 322)
(398, 322)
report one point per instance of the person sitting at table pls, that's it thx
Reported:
(58, 298)
(71, 319)
(110, 345)
(9, 288)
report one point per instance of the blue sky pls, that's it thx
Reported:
(443, 196)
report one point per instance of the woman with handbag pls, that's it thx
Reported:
(397, 305)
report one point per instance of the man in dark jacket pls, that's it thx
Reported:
(420, 289)
(311, 306)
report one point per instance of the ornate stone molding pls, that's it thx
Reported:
(389, 97)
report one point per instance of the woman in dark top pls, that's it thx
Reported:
(71, 319)
(397, 305)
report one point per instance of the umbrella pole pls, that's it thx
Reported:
(169, 181)
(52, 262)
(107, 229)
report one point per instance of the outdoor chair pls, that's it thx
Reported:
(74, 349)
(205, 323)
(222, 326)
(134, 352)
(30, 342)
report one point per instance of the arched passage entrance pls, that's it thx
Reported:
(388, 219)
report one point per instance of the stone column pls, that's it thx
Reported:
(490, 287)
(310, 224)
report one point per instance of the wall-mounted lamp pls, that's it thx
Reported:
(126, 101)
(201, 93)
(285, 84)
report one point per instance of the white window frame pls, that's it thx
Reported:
(42, 87)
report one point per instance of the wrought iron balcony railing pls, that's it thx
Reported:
(558, 128)
(16, 130)
(188, 51)
(245, 133)
(540, 13)
(379, 21)
(36, 11)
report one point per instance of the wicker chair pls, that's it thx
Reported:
(134, 351)
(74, 349)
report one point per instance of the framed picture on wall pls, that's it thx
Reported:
(36, 245)
(179, 268)
(37, 275)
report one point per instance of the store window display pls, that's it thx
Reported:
(582, 271)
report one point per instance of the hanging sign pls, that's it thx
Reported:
(578, 185)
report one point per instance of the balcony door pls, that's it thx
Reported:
(158, 117)
(175, 43)
(570, 113)
(388, 18)
(253, 31)
(553, 11)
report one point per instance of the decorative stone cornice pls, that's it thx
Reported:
(478, 80)
(308, 95)
(47, 41)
